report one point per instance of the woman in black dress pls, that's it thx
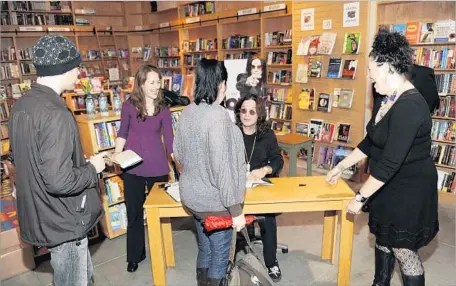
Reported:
(263, 158)
(403, 179)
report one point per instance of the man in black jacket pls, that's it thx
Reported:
(57, 198)
(423, 78)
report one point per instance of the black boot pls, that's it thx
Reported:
(417, 280)
(201, 276)
(384, 266)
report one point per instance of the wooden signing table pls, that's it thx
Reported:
(285, 196)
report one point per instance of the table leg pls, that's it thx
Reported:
(293, 156)
(157, 258)
(345, 246)
(168, 242)
(309, 158)
(328, 247)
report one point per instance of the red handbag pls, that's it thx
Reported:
(212, 223)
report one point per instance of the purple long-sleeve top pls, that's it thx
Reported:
(145, 139)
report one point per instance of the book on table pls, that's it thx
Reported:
(261, 182)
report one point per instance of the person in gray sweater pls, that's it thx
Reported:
(210, 150)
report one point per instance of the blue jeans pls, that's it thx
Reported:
(213, 250)
(72, 264)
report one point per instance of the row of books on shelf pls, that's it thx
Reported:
(8, 71)
(425, 32)
(436, 58)
(193, 59)
(200, 8)
(443, 130)
(341, 98)
(61, 6)
(447, 107)
(200, 44)
(172, 62)
(279, 58)
(278, 38)
(446, 83)
(239, 56)
(280, 77)
(166, 51)
(28, 68)
(328, 157)
(443, 154)
(4, 114)
(118, 217)
(37, 19)
(280, 111)
(145, 51)
(8, 54)
(326, 132)
(337, 68)
(114, 189)
(4, 130)
(279, 94)
(241, 42)
(106, 133)
(446, 181)
(324, 44)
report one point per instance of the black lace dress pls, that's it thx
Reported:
(404, 211)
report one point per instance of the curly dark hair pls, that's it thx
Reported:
(263, 125)
(394, 49)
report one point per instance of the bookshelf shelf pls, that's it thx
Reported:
(445, 166)
(443, 141)
(278, 47)
(434, 44)
(444, 118)
(116, 203)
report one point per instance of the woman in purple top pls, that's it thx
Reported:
(144, 116)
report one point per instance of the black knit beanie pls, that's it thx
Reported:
(54, 55)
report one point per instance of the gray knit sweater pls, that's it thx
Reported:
(210, 148)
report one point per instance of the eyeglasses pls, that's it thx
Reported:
(251, 111)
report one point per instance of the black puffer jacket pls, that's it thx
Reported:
(57, 198)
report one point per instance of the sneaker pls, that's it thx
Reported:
(275, 273)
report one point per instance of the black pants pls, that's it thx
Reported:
(135, 196)
(268, 229)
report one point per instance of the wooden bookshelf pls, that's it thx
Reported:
(356, 115)
(403, 12)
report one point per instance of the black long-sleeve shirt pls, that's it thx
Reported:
(266, 152)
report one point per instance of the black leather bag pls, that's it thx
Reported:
(173, 99)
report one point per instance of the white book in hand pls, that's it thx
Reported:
(127, 158)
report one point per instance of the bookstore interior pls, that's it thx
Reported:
(309, 58)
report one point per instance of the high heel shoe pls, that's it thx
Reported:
(132, 266)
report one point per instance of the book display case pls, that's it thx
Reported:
(428, 25)
(317, 111)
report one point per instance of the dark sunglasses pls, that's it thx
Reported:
(251, 111)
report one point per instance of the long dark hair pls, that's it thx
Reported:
(138, 98)
(209, 74)
(263, 66)
(263, 125)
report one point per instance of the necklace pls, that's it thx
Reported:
(251, 154)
